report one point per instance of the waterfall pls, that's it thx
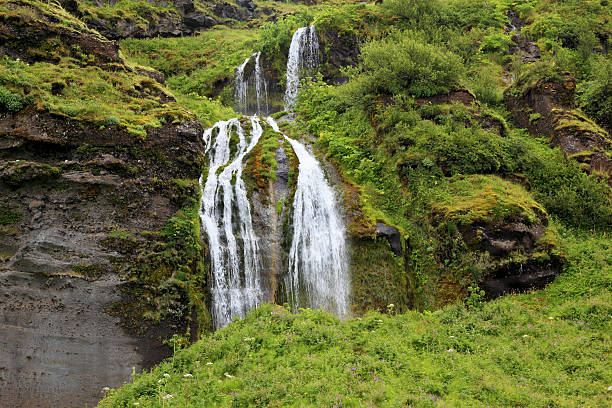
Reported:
(241, 87)
(303, 56)
(261, 87)
(318, 264)
(225, 214)
(249, 102)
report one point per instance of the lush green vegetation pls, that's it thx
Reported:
(547, 348)
(198, 69)
(422, 141)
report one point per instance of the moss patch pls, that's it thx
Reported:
(92, 94)
(9, 217)
(479, 198)
(378, 277)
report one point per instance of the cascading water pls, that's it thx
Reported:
(241, 87)
(249, 102)
(318, 264)
(226, 217)
(303, 57)
(261, 87)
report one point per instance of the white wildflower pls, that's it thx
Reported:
(168, 396)
(187, 375)
(525, 336)
(229, 375)
(551, 318)
(209, 363)
(106, 389)
(610, 388)
(450, 350)
(166, 375)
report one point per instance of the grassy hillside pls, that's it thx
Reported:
(421, 133)
(548, 348)
(418, 107)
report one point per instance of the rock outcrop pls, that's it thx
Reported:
(500, 235)
(546, 107)
(163, 18)
(99, 262)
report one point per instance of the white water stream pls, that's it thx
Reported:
(318, 263)
(246, 101)
(226, 217)
(303, 57)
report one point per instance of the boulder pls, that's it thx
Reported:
(392, 235)
(195, 21)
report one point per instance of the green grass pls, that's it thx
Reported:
(199, 69)
(541, 349)
(91, 94)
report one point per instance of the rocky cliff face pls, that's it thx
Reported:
(98, 259)
(547, 107)
(163, 18)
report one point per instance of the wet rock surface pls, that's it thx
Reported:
(270, 212)
(392, 235)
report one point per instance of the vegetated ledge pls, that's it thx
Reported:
(53, 62)
(501, 234)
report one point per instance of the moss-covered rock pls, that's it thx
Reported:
(543, 101)
(501, 235)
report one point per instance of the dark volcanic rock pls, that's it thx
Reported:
(226, 10)
(392, 235)
(247, 4)
(184, 6)
(546, 108)
(337, 51)
(520, 277)
(195, 21)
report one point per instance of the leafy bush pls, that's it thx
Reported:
(403, 63)
(497, 43)
(595, 95)
(474, 13)
(486, 83)
(417, 13)
(275, 37)
(343, 20)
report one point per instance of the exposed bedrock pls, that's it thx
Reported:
(80, 214)
(547, 108)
